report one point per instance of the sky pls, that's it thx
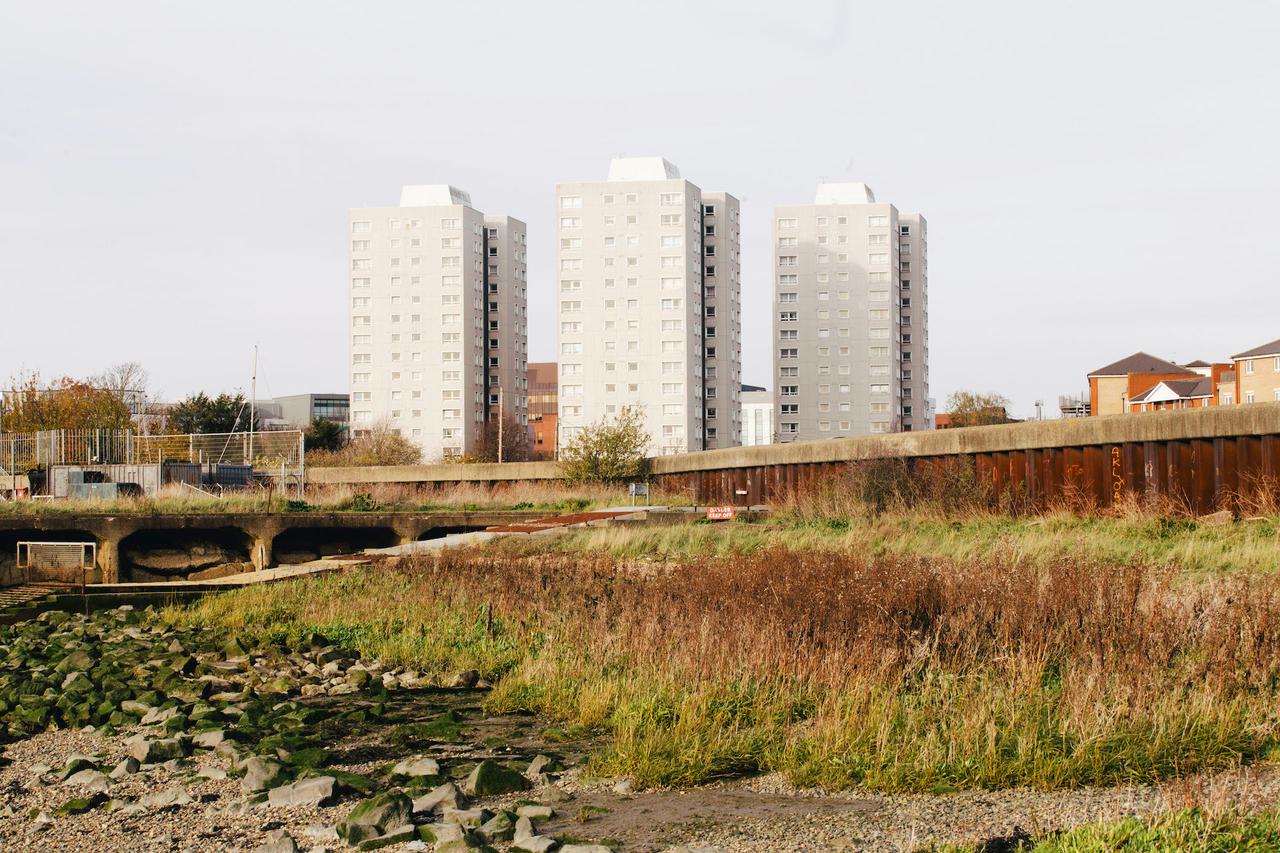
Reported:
(1098, 177)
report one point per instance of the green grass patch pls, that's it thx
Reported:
(1187, 831)
(1185, 544)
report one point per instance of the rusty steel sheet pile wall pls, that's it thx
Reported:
(1194, 460)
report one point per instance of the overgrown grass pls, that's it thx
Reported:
(839, 668)
(1191, 830)
(1188, 544)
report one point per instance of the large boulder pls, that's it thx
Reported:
(156, 751)
(80, 805)
(500, 827)
(490, 778)
(418, 765)
(312, 791)
(89, 779)
(168, 798)
(465, 679)
(127, 767)
(534, 811)
(77, 661)
(136, 708)
(446, 796)
(371, 818)
(261, 774)
(446, 836)
(209, 739)
(540, 767)
(74, 765)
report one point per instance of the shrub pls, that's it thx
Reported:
(381, 445)
(610, 451)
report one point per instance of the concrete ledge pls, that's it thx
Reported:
(1216, 422)
(478, 473)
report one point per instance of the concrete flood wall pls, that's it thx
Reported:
(1202, 459)
(426, 476)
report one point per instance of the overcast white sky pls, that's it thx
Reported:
(1099, 177)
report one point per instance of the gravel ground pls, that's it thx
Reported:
(762, 814)
(216, 818)
(200, 825)
(909, 822)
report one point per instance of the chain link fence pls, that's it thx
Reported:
(274, 453)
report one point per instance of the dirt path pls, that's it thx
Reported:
(766, 814)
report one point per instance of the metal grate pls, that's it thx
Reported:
(57, 555)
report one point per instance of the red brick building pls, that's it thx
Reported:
(544, 407)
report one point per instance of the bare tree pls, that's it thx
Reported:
(130, 382)
(515, 441)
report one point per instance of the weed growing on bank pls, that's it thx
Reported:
(1192, 830)
(839, 668)
(1188, 544)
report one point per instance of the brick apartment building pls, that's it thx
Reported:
(1258, 374)
(1144, 383)
(543, 408)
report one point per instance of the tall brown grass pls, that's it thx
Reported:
(891, 672)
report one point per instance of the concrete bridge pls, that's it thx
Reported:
(255, 536)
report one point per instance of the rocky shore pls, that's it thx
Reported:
(122, 732)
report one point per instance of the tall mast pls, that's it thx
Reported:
(253, 399)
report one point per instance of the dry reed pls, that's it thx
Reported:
(892, 672)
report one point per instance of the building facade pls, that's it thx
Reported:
(638, 328)
(437, 296)
(506, 319)
(851, 322)
(1176, 394)
(1113, 388)
(543, 408)
(758, 410)
(297, 411)
(1258, 374)
(722, 319)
